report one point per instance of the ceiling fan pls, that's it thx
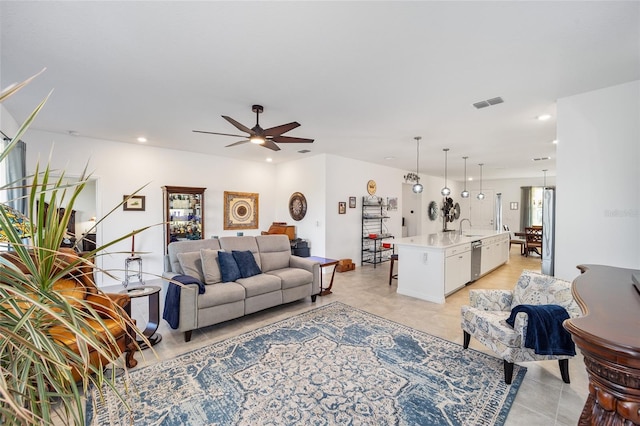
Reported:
(260, 136)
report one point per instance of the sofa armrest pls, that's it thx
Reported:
(491, 300)
(308, 265)
(188, 302)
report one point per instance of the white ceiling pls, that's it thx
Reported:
(363, 78)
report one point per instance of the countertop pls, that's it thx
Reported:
(446, 239)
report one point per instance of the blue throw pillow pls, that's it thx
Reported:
(228, 267)
(246, 263)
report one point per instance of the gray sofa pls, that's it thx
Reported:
(282, 278)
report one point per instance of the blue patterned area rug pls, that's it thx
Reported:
(332, 365)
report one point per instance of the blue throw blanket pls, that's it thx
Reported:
(171, 311)
(545, 333)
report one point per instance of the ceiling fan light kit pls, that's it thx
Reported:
(465, 193)
(445, 191)
(267, 138)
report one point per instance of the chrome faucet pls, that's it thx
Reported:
(462, 220)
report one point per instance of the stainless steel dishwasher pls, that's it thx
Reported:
(476, 255)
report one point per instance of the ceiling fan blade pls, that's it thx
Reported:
(237, 143)
(238, 126)
(272, 146)
(216, 133)
(289, 139)
(278, 130)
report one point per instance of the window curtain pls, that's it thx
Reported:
(14, 179)
(526, 201)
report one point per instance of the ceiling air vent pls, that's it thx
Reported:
(488, 102)
(541, 158)
(304, 151)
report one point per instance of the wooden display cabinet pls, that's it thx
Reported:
(183, 213)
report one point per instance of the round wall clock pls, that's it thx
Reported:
(297, 206)
(371, 187)
(433, 210)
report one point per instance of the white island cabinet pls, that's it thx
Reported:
(433, 266)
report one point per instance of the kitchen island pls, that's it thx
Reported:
(433, 266)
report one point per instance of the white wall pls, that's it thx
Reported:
(598, 179)
(307, 176)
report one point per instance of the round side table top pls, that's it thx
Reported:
(143, 290)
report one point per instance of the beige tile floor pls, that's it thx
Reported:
(543, 398)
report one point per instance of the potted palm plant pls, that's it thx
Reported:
(42, 377)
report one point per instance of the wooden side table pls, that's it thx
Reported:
(153, 293)
(325, 262)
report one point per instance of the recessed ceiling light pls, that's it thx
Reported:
(470, 178)
(555, 141)
(142, 139)
(544, 117)
(389, 158)
(269, 159)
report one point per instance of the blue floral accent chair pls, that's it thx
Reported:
(484, 318)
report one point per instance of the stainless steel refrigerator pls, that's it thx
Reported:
(548, 230)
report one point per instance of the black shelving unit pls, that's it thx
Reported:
(374, 212)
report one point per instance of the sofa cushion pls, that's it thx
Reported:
(228, 267)
(187, 246)
(293, 277)
(241, 244)
(216, 295)
(260, 284)
(246, 263)
(210, 266)
(275, 252)
(191, 264)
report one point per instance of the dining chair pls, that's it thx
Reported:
(533, 237)
(515, 240)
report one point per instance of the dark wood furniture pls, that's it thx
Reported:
(608, 336)
(183, 213)
(394, 258)
(325, 262)
(533, 240)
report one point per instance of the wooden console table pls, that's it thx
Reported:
(608, 336)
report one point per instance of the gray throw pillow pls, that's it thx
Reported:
(191, 264)
(210, 266)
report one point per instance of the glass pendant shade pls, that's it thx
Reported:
(445, 191)
(480, 194)
(465, 193)
(417, 187)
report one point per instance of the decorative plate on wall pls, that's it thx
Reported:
(371, 187)
(456, 211)
(297, 206)
(433, 210)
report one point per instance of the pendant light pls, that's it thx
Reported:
(465, 193)
(445, 191)
(480, 194)
(544, 183)
(417, 187)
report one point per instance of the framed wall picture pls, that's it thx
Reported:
(241, 210)
(133, 202)
(342, 207)
(352, 202)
